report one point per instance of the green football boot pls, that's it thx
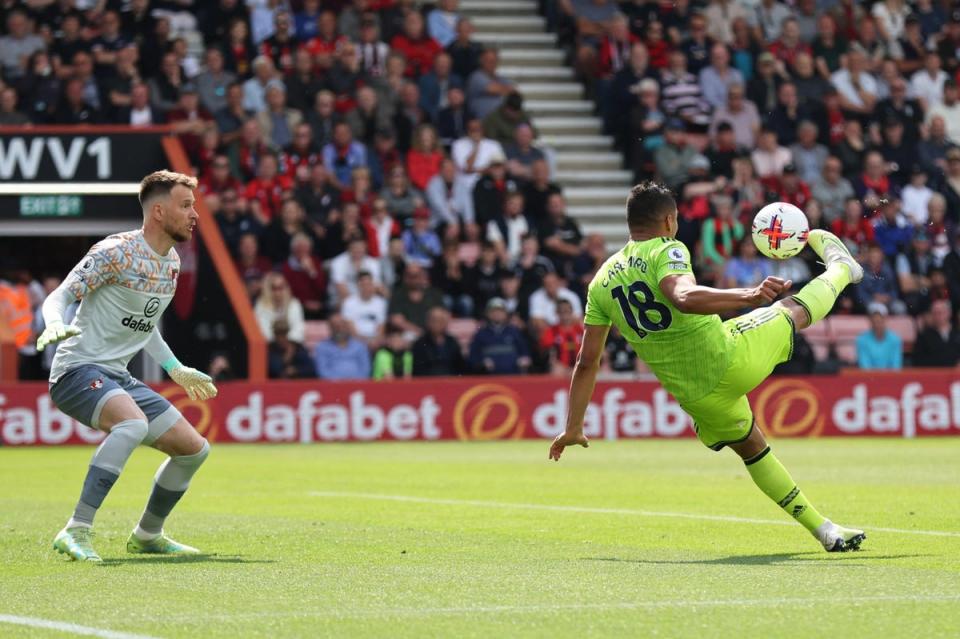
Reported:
(832, 250)
(162, 545)
(75, 544)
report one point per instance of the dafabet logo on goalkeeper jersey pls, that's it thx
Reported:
(790, 408)
(488, 411)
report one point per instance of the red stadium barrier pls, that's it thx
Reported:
(903, 405)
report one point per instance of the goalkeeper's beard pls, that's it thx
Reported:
(179, 234)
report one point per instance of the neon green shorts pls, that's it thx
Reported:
(762, 339)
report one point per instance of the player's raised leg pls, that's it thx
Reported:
(126, 426)
(775, 481)
(187, 450)
(818, 297)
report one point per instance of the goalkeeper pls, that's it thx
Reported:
(124, 283)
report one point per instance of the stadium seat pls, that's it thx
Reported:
(845, 329)
(820, 338)
(315, 331)
(906, 327)
(847, 352)
(462, 330)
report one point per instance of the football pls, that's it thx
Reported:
(780, 230)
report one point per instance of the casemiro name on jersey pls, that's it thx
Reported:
(633, 261)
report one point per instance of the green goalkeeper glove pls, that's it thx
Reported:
(56, 332)
(198, 385)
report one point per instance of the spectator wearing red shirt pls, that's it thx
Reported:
(615, 47)
(788, 46)
(853, 228)
(301, 155)
(306, 276)
(265, 192)
(327, 41)
(246, 151)
(380, 229)
(218, 178)
(209, 149)
(416, 46)
(562, 341)
(345, 77)
(251, 265)
(238, 51)
(834, 118)
(281, 46)
(657, 46)
(360, 192)
(384, 156)
(190, 121)
(425, 156)
(792, 189)
(874, 181)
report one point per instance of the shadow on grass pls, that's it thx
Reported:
(759, 560)
(184, 559)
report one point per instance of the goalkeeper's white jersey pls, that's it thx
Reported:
(124, 287)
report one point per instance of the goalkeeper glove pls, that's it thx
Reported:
(56, 332)
(198, 385)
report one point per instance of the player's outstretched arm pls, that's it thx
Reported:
(581, 389)
(98, 267)
(690, 297)
(198, 385)
(53, 310)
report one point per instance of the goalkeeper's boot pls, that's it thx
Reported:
(160, 545)
(839, 539)
(75, 544)
(832, 250)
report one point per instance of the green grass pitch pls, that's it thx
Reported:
(626, 539)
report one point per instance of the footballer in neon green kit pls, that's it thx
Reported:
(649, 292)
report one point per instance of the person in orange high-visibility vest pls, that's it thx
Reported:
(17, 312)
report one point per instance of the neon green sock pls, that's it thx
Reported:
(818, 297)
(773, 479)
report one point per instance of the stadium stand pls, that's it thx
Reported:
(320, 133)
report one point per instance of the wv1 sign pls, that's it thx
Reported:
(38, 157)
(20, 158)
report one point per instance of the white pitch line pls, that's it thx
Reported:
(72, 628)
(601, 511)
(605, 606)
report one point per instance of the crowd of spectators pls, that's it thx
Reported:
(368, 164)
(849, 110)
(365, 161)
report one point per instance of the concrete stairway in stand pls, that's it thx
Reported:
(588, 167)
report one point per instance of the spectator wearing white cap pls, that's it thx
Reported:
(879, 348)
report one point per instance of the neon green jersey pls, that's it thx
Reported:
(688, 353)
